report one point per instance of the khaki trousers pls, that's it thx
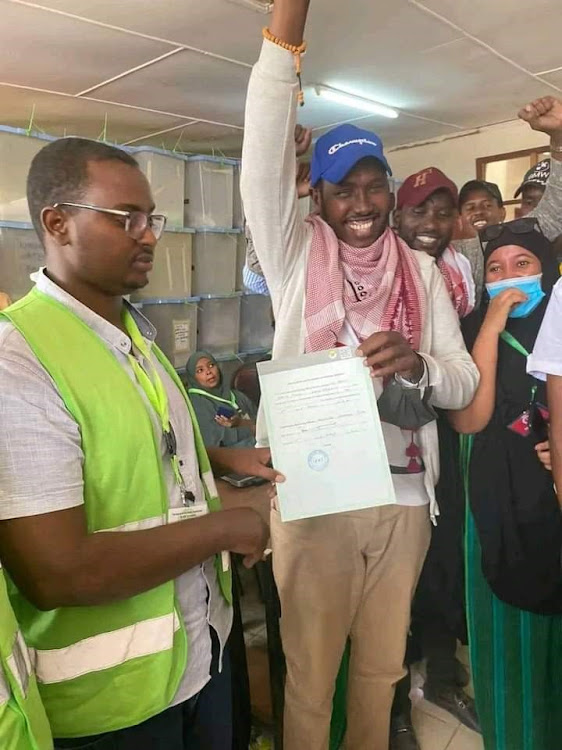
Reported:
(339, 576)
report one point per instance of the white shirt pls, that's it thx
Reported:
(546, 358)
(41, 462)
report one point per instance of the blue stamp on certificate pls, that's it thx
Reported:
(318, 460)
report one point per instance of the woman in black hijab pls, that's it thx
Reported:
(514, 526)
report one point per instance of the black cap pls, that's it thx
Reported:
(489, 187)
(537, 175)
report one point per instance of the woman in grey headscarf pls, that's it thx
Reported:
(226, 417)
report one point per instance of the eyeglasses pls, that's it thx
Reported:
(525, 225)
(136, 222)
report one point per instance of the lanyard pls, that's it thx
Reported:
(156, 394)
(232, 402)
(512, 341)
(518, 346)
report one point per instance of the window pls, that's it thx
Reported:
(507, 171)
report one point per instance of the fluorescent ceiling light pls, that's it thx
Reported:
(357, 102)
(261, 6)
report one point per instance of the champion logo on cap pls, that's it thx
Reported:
(360, 141)
(338, 151)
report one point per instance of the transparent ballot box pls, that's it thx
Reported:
(219, 325)
(166, 175)
(209, 192)
(176, 325)
(256, 323)
(214, 263)
(21, 254)
(171, 273)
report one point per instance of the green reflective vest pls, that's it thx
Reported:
(107, 667)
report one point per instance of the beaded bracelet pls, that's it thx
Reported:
(297, 52)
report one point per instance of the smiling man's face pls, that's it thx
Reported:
(480, 209)
(428, 227)
(357, 208)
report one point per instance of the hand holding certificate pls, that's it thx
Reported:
(325, 434)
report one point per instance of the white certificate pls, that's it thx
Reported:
(325, 434)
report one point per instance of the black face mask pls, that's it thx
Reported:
(405, 407)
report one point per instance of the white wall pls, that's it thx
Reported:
(456, 155)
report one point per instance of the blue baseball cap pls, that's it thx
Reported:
(338, 151)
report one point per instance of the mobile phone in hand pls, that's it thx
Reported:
(225, 411)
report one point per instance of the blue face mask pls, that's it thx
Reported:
(529, 285)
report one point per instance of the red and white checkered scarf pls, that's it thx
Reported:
(377, 288)
(457, 275)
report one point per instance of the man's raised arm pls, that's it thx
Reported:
(269, 155)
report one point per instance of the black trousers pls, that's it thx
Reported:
(202, 723)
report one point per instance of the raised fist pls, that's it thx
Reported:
(544, 115)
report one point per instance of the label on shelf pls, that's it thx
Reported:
(182, 335)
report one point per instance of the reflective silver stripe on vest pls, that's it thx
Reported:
(209, 482)
(146, 523)
(19, 664)
(106, 650)
(4, 689)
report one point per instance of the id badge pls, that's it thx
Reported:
(531, 421)
(521, 425)
(187, 512)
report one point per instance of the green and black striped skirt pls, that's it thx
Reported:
(516, 660)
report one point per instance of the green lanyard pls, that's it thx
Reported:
(156, 394)
(232, 402)
(518, 346)
(512, 341)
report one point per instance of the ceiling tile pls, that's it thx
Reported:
(66, 115)
(186, 84)
(373, 52)
(459, 83)
(526, 32)
(464, 84)
(555, 78)
(204, 24)
(53, 52)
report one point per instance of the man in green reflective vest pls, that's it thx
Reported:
(110, 524)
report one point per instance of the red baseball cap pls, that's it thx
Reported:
(419, 186)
